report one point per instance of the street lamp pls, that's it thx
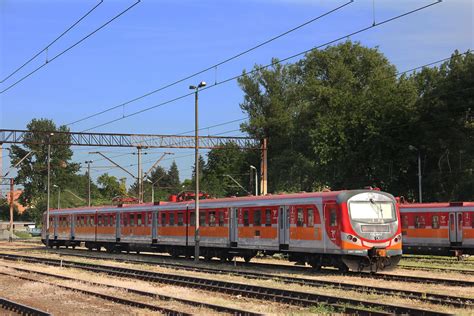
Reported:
(202, 84)
(152, 190)
(88, 162)
(59, 195)
(48, 188)
(153, 187)
(256, 179)
(413, 148)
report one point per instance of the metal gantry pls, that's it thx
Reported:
(123, 140)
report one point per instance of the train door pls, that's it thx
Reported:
(154, 225)
(284, 227)
(455, 228)
(55, 226)
(331, 220)
(118, 232)
(72, 220)
(233, 227)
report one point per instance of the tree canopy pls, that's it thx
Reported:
(342, 118)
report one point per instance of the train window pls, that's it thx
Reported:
(212, 218)
(419, 221)
(268, 217)
(221, 218)
(435, 221)
(257, 218)
(310, 217)
(139, 219)
(171, 219)
(125, 219)
(246, 217)
(180, 219)
(300, 219)
(192, 219)
(404, 221)
(132, 219)
(82, 221)
(333, 217)
(99, 220)
(163, 219)
(78, 221)
(92, 221)
(202, 219)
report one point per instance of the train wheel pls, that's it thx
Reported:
(247, 258)
(343, 268)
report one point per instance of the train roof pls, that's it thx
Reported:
(436, 204)
(231, 200)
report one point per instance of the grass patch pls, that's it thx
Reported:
(322, 309)
(22, 234)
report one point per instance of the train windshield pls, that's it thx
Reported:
(372, 211)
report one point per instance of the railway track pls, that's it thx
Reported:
(304, 299)
(439, 260)
(441, 269)
(21, 309)
(455, 301)
(110, 298)
(287, 268)
(217, 308)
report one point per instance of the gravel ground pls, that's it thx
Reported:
(179, 292)
(59, 302)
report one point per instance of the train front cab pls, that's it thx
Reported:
(370, 230)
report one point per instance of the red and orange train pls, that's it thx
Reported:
(358, 229)
(438, 228)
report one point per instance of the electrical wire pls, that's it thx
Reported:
(213, 66)
(71, 47)
(263, 67)
(54, 41)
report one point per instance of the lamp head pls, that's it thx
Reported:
(192, 87)
(202, 84)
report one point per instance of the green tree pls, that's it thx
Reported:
(32, 172)
(109, 186)
(329, 119)
(444, 132)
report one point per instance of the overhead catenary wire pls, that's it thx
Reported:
(212, 66)
(265, 66)
(50, 44)
(70, 47)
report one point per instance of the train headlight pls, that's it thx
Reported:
(349, 237)
(354, 239)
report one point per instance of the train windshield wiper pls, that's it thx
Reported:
(378, 208)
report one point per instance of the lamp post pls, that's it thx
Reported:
(256, 179)
(413, 148)
(153, 187)
(88, 162)
(202, 84)
(152, 190)
(59, 195)
(48, 188)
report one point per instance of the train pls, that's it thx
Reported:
(438, 228)
(350, 229)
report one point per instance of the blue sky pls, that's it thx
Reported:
(158, 42)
